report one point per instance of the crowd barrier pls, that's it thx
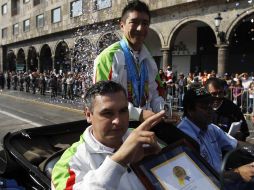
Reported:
(244, 100)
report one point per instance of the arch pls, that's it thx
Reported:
(106, 39)
(62, 61)
(154, 44)
(191, 42)
(162, 39)
(181, 24)
(21, 60)
(45, 57)
(235, 22)
(241, 42)
(11, 61)
(32, 59)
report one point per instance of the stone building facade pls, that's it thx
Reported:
(61, 34)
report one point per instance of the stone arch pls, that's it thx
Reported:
(240, 36)
(62, 61)
(162, 39)
(235, 22)
(45, 57)
(32, 59)
(21, 60)
(181, 24)
(106, 39)
(154, 44)
(192, 45)
(11, 61)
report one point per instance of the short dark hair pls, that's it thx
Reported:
(102, 88)
(194, 96)
(135, 5)
(216, 83)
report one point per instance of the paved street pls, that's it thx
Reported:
(23, 110)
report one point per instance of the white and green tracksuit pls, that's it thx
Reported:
(87, 165)
(110, 65)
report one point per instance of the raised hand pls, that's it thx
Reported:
(140, 143)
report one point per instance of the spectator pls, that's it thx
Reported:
(237, 93)
(53, 86)
(2, 81)
(27, 82)
(69, 82)
(181, 87)
(225, 111)
(251, 97)
(8, 80)
(160, 80)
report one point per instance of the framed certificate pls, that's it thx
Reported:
(176, 167)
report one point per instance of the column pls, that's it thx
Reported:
(39, 64)
(53, 62)
(166, 58)
(26, 63)
(71, 59)
(1, 59)
(222, 59)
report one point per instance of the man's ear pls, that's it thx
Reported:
(88, 115)
(121, 25)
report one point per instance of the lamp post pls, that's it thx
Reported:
(217, 21)
(220, 34)
(222, 47)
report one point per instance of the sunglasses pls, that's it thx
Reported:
(217, 93)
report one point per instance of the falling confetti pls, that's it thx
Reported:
(87, 46)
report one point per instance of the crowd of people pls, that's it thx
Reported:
(66, 85)
(238, 87)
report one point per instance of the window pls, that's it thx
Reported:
(56, 15)
(26, 1)
(16, 29)
(39, 21)
(26, 25)
(101, 4)
(4, 33)
(4, 9)
(76, 8)
(37, 2)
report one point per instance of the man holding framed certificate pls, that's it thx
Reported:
(211, 139)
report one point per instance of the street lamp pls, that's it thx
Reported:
(217, 21)
(220, 34)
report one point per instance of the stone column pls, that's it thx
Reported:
(53, 62)
(1, 59)
(71, 59)
(39, 63)
(26, 63)
(222, 59)
(166, 58)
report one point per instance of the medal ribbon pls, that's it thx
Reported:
(138, 81)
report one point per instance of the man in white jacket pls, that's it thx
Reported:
(100, 160)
